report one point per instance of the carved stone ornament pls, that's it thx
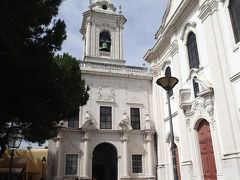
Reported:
(71, 145)
(154, 70)
(208, 8)
(188, 27)
(106, 94)
(124, 124)
(174, 48)
(188, 124)
(210, 110)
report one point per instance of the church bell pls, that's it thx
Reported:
(104, 47)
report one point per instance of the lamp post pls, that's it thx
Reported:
(14, 141)
(168, 84)
(44, 160)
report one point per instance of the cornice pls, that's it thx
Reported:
(169, 28)
(208, 8)
(235, 77)
(115, 70)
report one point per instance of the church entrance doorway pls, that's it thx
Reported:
(206, 149)
(104, 162)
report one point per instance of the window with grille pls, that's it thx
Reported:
(137, 163)
(195, 87)
(169, 74)
(192, 51)
(105, 117)
(71, 164)
(73, 122)
(234, 10)
(135, 118)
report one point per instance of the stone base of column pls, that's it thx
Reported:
(187, 170)
(125, 177)
(151, 177)
(231, 168)
(84, 178)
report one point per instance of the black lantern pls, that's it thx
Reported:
(14, 140)
(44, 161)
(167, 83)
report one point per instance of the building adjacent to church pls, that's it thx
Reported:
(198, 42)
(113, 136)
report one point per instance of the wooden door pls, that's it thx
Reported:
(206, 149)
(178, 163)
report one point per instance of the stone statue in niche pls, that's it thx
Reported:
(106, 94)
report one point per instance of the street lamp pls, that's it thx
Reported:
(168, 84)
(14, 141)
(44, 161)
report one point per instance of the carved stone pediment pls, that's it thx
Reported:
(89, 125)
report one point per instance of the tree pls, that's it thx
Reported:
(36, 89)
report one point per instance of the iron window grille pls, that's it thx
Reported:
(192, 51)
(71, 164)
(234, 10)
(135, 118)
(73, 122)
(137, 163)
(105, 117)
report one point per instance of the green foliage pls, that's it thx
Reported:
(37, 90)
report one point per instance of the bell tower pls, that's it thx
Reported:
(102, 31)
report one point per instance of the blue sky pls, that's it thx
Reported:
(143, 20)
(144, 17)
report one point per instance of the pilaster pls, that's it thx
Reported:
(124, 139)
(85, 172)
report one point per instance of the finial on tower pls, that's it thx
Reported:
(120, 9)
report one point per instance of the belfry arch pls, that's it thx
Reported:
(104, 162)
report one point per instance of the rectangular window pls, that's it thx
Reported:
(71, 164)
(135, 118)
(73, 122)
(105, 117)
(234, 8)
(137, 163)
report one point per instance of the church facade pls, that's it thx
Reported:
(198, 42)
(123, 132)
(113, 137)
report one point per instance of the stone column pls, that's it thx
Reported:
(150, 153)
(59, 163)
(125, 154)
(85, 157)
(120, 43)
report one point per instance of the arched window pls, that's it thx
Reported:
(234, 9)
(192, 51)
(105, 41)
(169, 74)
(195, 87)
